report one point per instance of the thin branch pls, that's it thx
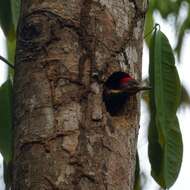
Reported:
(6, 61)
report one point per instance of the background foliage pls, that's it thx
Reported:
(170, 9)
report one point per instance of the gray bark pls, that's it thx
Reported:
(64, 138)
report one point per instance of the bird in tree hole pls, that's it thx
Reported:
(117, 90)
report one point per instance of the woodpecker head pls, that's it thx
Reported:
(117, 88)
(121, 82)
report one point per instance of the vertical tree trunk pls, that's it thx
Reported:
(64, 138)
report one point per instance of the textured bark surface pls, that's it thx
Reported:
(64, 138)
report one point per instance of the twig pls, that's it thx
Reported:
(6, 61)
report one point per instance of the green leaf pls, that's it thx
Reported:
(184, 27)
(165, 140)
(137, 184)
(15, 8)
(171, 9)
(7, 170)
(185, 98)
(167, 7)
(11, 46)
(6, 121)
(6, 21)
(149, 24)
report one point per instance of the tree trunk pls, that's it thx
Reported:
(64, 138)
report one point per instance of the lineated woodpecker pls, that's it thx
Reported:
(117, 89)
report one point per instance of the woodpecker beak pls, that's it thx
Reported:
(132, 87)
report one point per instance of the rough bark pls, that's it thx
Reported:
(64, 138)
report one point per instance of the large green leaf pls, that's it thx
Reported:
(184, 100)
(137, 184)
(6, 121)
(165, 141)
(7, 174)
(149, 22)
(15, 8)
(9, 15)
(11, 46)
(6, 19)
